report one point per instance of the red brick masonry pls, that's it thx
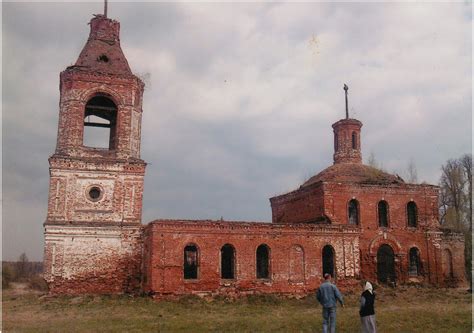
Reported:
(350, 219)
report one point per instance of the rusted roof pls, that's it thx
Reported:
(354, 173)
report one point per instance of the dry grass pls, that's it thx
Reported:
(398, 310)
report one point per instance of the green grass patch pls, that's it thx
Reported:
(408, 309)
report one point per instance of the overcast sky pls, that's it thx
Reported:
(240, 98)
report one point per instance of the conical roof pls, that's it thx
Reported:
(102, 52)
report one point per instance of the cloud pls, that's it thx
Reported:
(240, 98)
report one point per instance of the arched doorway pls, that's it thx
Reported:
(386, 264)
(328, 260)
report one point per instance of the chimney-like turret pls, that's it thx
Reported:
(347, 138)
(347, 141)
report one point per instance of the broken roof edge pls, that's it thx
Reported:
(205, 221)
(256, 225)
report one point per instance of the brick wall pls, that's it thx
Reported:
(328, 202)
(295, 256)
(92, 260)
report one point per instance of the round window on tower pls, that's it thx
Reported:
(94, 193)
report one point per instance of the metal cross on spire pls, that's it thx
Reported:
(346, 88)
(105, 8)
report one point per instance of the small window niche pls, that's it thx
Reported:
(354, 140)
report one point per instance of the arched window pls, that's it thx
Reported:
(353, 211)
(328, 260)
(383, 213)
(227, 262)
(263, 260)
(414, 268)
(354, 140)
(447, 262)
(412, 214)
(100, 119)
(191, 262)
(336, 142)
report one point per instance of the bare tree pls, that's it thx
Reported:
(412, 174)
(456, 202)
(372, 161)
(452, 187)
(466, 162)
(22, 266)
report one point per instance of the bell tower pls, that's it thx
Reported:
(93, 226)
(347, 138)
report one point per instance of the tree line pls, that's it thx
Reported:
(23, 270)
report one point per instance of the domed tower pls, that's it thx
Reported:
(347, 138)
(93, 226)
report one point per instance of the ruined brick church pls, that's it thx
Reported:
(351, 220)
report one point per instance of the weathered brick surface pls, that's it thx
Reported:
(94, 245)
(295, 256)
(92, 259)
(325, 197)
(347, 141)
(97, 245)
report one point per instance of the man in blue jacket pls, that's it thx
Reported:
(327, 295)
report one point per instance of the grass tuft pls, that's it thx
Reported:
(404, 309)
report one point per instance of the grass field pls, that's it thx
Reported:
(405, 309)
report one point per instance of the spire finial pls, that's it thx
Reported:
(105, 8)
(346, 88)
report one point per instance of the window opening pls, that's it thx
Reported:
(100, 119)
(103, 58)
(383, 213)
(354, 140)
(353, 212)
(414, 268)
(336, 142)
(227, 262)
(412, 214)
(328, 260)
(263, 267)
(190, 266)
(94, 194)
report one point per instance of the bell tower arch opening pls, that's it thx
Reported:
(100, 123)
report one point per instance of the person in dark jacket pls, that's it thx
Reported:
(327, 295)
(367, 310)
